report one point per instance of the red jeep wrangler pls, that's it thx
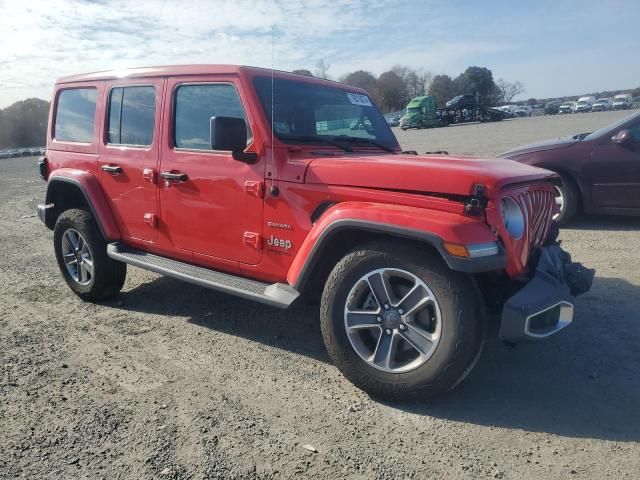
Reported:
(256, 183)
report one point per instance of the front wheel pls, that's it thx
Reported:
(399, 323)
(566, 198)
(81, 252)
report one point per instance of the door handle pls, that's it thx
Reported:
(112, 169)
(174, 176)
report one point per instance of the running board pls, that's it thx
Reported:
(278, 295)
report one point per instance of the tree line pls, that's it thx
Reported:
(24, 124)
(393, 89)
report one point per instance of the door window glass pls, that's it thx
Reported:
(194, 107)
(131, 115)
(75, 115)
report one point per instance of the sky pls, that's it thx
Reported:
(555, 48)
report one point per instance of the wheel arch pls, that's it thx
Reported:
(341, 228)
(566, 173)
(79, 189)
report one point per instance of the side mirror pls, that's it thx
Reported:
(623, 137)
(230, 134)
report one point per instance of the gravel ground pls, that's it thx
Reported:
(173, 381)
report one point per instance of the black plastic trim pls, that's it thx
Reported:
(460, 264)
(71, 181)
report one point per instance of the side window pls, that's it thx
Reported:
(131, 115)
(75, 115)
(635, 132)
(194, 107)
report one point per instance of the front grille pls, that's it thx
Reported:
(538, 206)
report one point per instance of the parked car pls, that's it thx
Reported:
(567, 107)
(523, 111)
(584, 104)
(622, 101)
(394, 121)
(600, 171)
(250, 181)
(462, 101)
(552, 108)
(601, 105)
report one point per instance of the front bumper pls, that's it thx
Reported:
(545, 305)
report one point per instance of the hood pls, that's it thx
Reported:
(562, 142)
(443, 174)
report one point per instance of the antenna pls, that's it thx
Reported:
(274, 163)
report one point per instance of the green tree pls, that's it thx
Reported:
(24, 124)
(391, 93)
(302, 71)
(442, 88)
(477, 81)
(361, 79)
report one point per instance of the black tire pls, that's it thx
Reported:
(571, 202)
(108, 275)
(462, 313)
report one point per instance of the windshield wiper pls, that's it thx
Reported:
(580, 136)
(347, 138)
(318, 139)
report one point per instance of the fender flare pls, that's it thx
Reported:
(89, 186)
(412, 223)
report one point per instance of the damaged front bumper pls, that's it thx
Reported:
(545, 305)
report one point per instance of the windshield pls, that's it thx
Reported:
(582, 102)
(612, 126)
(302, 111)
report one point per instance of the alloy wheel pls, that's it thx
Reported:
(393, 320)
(77, 257)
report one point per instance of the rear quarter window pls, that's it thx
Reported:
(75, 115)
(132, 115)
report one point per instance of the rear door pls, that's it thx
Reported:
(216, 210)
(615, 172)
(128, 159)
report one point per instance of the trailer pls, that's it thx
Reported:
(422, 112)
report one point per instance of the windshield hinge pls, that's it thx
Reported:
(477, 203)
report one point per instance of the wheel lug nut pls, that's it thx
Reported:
(386, 306)
(379, 319)
(403, 327)
(400, 311)
(388, 331)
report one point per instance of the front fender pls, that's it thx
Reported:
(91, 189)
(428, 226)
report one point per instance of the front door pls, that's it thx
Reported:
(210, 204)
(128, 157)
(615, 172)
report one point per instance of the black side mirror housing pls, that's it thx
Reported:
(230, 134)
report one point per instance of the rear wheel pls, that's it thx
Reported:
(81, 252)
(398, 323)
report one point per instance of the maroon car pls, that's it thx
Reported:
(600, 170)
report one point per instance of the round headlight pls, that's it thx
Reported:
(512, 217)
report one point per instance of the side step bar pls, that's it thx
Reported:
(278, 295)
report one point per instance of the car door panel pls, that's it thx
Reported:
(615, 174)
(127, 171)
(210, 213)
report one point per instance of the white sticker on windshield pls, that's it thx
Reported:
(358, 99)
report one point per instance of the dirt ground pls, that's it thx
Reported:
(173, 381)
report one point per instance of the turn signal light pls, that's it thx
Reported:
(455, 249)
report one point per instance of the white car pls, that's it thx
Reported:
(584, 104)
(567, 107)
(622, 101)
(601, 105)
